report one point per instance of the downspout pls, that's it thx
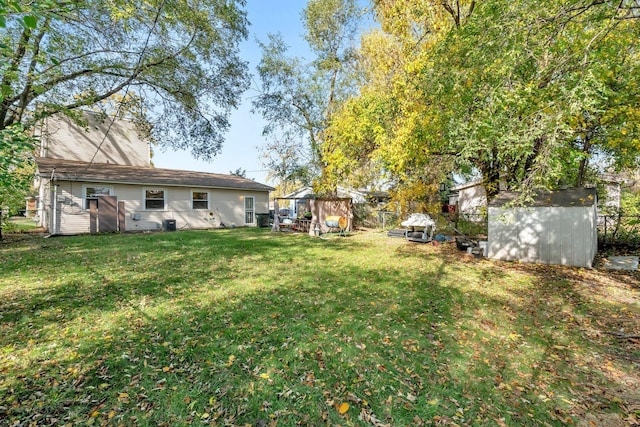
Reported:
(54, 207)
(54, 203)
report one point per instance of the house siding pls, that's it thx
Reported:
(226, 207)
(472, 201)
(72, 219)
(63, 139)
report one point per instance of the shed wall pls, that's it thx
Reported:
(322, 208)
(548, 235)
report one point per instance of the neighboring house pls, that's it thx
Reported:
(297, 198)
(613, 185)
(87, 185)
(470, 200)
(558, 227)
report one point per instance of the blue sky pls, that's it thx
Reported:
(242, 142)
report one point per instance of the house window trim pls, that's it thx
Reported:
(246, 211)
(208, 193)
(85, 199)
(165, 199)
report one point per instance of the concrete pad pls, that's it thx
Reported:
(621, 263)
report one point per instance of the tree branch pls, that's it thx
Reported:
(28, 95)
(20, 52)
(32, 66)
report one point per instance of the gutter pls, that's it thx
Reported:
(156, 184)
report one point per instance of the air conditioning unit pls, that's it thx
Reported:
(169, 225)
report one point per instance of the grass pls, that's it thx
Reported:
(20, 224)
(246, 327)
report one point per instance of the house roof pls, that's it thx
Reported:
(465, 185)
(571, 197)
(67, 170)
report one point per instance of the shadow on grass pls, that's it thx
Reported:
(246, 327)
(106, 271)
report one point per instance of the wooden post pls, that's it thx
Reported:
(93, 216)
(121, 217)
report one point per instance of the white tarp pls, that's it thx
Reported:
(418, 220)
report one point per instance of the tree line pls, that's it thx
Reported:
(400, 94)
(527, 94)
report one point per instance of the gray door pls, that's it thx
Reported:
(107, 214)
(103, 214)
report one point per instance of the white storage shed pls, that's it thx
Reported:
(559, 227)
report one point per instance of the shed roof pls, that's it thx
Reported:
(68, 170)
(570, 197)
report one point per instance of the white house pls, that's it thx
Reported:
(358, 197)
(88, 183)
(470, 199)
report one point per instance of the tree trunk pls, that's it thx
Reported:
(8, 77)
(491, 177)
(582, 169)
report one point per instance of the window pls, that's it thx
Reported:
(92, 193)
(248, 210)
(154, 198)
(199, 200)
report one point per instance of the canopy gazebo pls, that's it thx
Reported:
(311, 213)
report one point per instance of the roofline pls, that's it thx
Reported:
(458, 187)
(109, 181)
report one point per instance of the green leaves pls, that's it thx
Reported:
(180, 58)
(500, 88)
(30, 21)
(16, 167)
(28, 13)
(298, 97)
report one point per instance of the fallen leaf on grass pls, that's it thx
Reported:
(343, 408)
(232, 359)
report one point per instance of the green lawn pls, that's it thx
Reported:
(246, 327)
(20, 224)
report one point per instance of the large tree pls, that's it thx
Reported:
(179, 59)
(172, 65)
(527, 92)
(297, 96)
